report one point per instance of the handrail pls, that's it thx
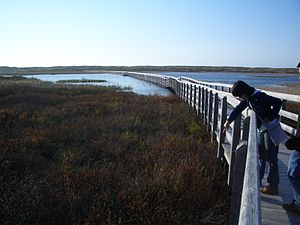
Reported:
(288, 97)
(238, 149)
(250, 212)
(225, 91)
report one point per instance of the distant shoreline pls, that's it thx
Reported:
(290, 88)
(118, 69)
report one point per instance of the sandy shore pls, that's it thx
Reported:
(293, 88)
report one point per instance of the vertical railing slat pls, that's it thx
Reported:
(202, 103)
(298, 125)
(209, 116)
(195, 98)
(221, 133)
(205, 106)
(191, 95)
(215, 116)
(236, 132)
(250, 211)
(199, 100)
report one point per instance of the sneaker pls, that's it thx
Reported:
(292, 207)
(269, 190)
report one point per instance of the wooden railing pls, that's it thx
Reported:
(237, 147)
(284, 113)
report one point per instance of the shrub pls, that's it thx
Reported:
(93, 155)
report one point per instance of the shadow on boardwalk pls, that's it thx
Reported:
(272, 211)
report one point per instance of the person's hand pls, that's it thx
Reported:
(226, 126)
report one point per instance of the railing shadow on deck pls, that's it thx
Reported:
(286, 198)
(238, 147)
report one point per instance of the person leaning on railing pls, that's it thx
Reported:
(267, 109)
(294, 174)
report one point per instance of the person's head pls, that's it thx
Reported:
(293, 143)
(242, 90)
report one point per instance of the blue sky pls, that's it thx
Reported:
(256, 33)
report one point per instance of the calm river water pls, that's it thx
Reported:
(254, 79)
(141, 87)
(135, 85)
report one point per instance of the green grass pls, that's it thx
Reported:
(95, 155)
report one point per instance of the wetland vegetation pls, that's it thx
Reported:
(72, 154)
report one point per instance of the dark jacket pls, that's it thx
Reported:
(265, 106)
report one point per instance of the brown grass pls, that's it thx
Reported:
(292, 88)
(92, 155)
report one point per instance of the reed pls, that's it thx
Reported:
(95, 155)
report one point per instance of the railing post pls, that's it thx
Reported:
(202, 103)
(191, 95)
(209, 116)
(183, 91)
(179, 85)
(187, 93)
(183, 94)
(245, 133)
(195, 97)
(215, 117)
(199, 100)
(221, 133)
(298, 125)
(284, 104)
(236, 134)
(237, 184)
(239, 171)
(205, 106)
(250, 210)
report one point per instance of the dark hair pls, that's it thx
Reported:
(240, 88)
(293, 143)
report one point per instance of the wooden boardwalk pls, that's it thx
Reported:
(238, 147)
(272, 211)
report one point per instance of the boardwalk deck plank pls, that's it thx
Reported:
(271, 206)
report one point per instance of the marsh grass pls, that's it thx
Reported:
(82, 81)
(94, 155)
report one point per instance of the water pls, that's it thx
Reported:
(144, 88)
(135, 85)
(254, 79)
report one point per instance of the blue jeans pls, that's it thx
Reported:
(294, 175)
(268, 153)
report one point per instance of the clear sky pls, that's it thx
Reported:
(254, 33)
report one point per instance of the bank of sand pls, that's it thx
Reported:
(292, 88)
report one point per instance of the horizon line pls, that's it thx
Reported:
(228, 66)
